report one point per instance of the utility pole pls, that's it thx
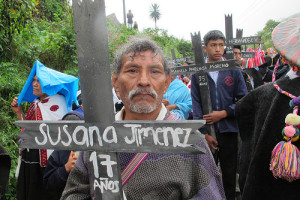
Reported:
(124, 12)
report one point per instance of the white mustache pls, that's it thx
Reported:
(135, 92)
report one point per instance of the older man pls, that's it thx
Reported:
(141, 77)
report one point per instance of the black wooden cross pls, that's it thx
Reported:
(239, 40)
(202, 68)
(100, 132)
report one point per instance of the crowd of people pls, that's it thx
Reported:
(243, 103)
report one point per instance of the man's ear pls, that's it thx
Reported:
(204, 48)
(114, 80)
(167, 83)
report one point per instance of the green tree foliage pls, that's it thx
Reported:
(155, 12)
(117, 35)
(167, 42)
(186, 47)
(266, 33)
(51, 42)
(52, 10)
(10, 86)
(41, 40)
(14, 17)
(30, 30)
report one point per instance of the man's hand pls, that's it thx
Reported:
(71, 162)
(211, 141)
(17, 109)
(171, 107)
(215, 116)
(165, 102)
(168, 106)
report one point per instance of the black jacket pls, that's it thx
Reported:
(261, 118)
(55, 174)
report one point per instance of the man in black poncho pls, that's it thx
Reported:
(261, 117)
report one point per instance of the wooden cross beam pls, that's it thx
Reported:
(239, 40)
(202, 68)
(100, 131)
(205, 67)
(116, 136)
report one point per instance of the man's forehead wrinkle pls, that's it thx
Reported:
(156, 57)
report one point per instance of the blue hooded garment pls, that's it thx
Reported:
(52, 82)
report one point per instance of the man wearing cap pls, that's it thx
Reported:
(262, 117)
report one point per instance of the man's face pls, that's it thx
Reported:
(37, 88)
(141, 82)
(214, 50)
(237, 55)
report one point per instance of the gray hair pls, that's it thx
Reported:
(213, 35)
(135, 45)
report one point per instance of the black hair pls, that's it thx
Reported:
(213, 35)
(268, 60)
(237, 47)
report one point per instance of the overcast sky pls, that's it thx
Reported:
(182, 17)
